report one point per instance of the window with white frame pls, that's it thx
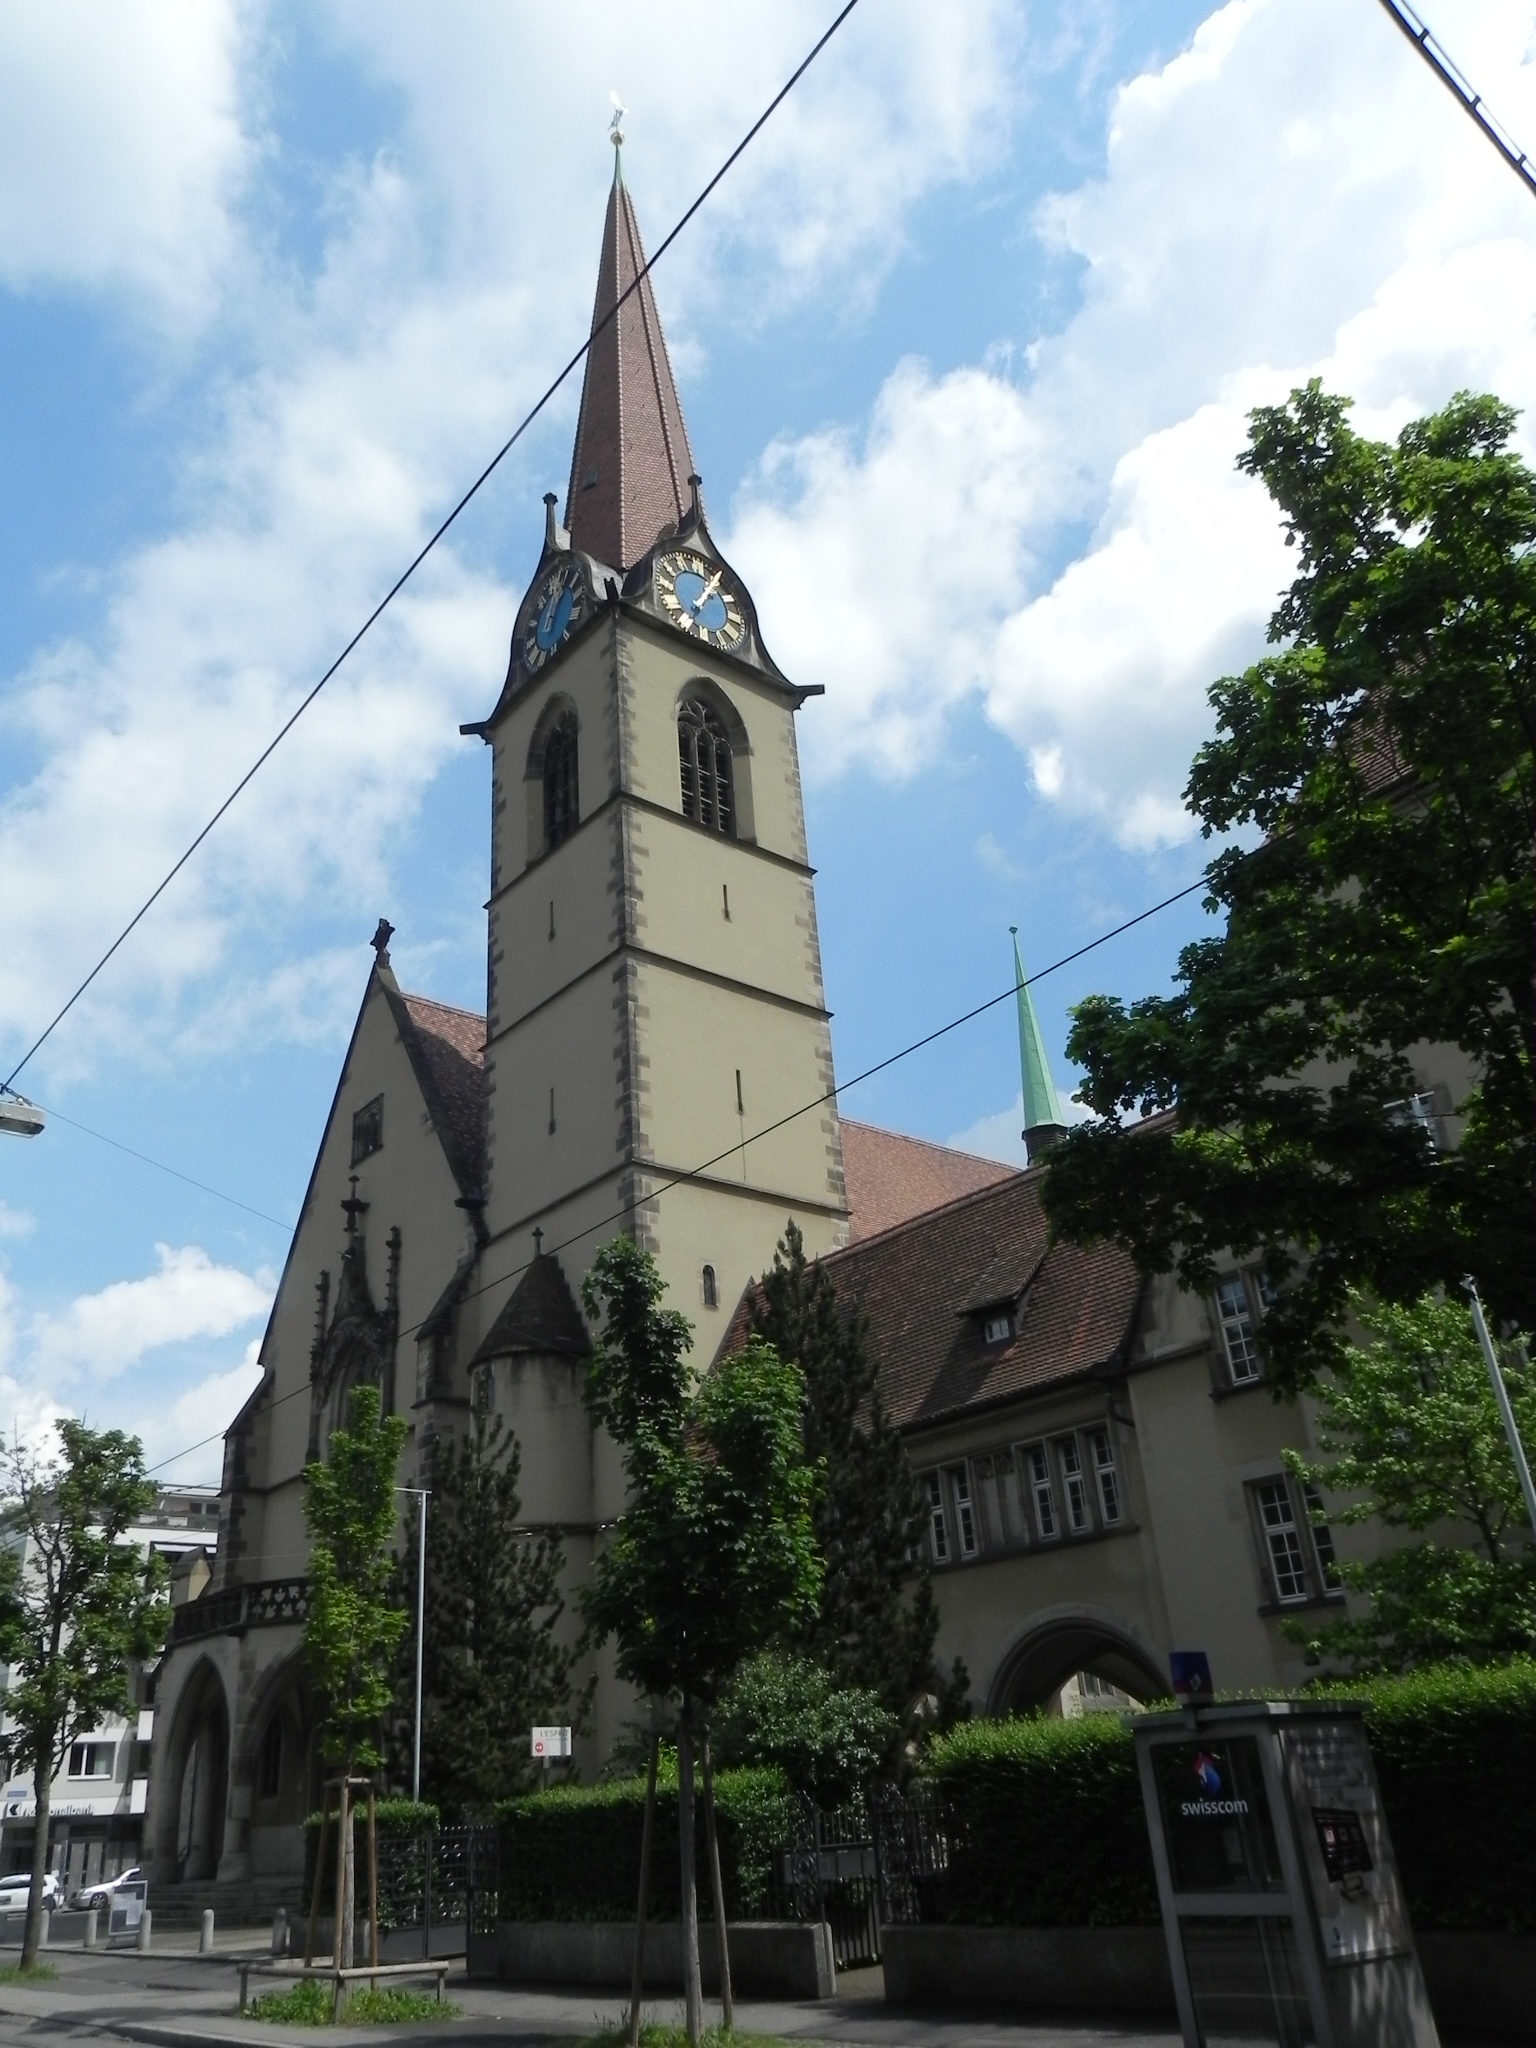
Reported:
(1420, 1112)
(1074, 1483)
(1239, 1329)
(91, 1759)
(938, 1525)
(998, 1327)
(1106, 1477)
(1322, 1539)
(1043, 1492)
(965, 1513)
(1282, 1541)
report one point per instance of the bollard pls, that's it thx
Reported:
(45, 1928)
(92, 1926)
(205, 1938)
(146, 1921)
(280, 1931)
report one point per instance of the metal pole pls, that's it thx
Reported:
(1501, 1395)
(421, 1615)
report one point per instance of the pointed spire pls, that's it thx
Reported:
(1044, 1124)
(631, 463)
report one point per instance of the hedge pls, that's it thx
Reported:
(1049, 1829)
(573, 1853)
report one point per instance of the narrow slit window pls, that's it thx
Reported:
(965, 1513)
(269, 1774)
(704, 760)
(1074, 1483)
(1107, 1477)
(711, 1288)
(938, 1527)
(1237, 1329)
(561, 796)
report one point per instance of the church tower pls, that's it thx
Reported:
(655, 994)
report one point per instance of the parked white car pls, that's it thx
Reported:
(100, 1893)
(16, 1884)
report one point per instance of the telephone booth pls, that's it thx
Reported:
(1280, 1897)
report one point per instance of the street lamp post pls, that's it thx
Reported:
(1501, 1395)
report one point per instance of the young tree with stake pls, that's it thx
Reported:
(78, 1606)
(715, 1553)
(353, 1630)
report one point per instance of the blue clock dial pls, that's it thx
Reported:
(700, 597)
(551, 612)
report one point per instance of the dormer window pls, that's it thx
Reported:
(997, 1326)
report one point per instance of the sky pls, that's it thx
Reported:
(966, 342)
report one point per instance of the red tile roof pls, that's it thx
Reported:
(447, 1050)
(891, 1178)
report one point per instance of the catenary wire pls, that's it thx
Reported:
(416, 561)
(1435, 55)
(816, 1102)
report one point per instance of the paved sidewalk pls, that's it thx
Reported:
(167, 2000)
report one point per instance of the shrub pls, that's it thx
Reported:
(829, 1740)
(573, 1853)
(1049, 1829)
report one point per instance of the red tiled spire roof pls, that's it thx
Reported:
(631, 464)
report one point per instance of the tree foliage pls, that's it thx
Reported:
(715, 1551)
(1383, 757)
(79, 1605)
(875, 1624)
(1414, 1441)
(353, 1630)
(493, 1666)
(829, 1740)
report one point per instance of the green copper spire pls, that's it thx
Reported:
(1044, 1123)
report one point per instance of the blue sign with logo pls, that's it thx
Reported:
(1190, 1671)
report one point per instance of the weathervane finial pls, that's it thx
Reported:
(616, 125)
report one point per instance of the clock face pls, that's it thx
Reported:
(558, 605)
(700, 598)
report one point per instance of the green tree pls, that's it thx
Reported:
(1414, 1441)
(876, 1622)
(79, 1606)
(353, 1630)
(1381, 760)
(493, 1666)
(715, 1553)
(829, 1740)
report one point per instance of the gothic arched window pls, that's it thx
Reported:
(561, 804)
(704, 755)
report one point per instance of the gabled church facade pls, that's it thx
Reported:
(654, 997)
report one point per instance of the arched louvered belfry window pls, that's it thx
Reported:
(561, 801)
(704, 754)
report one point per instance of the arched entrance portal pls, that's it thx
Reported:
(199, 1760)
(1047, 1657)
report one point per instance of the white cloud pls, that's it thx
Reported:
(204, 1411)
(1000, 1133)
(1293, 195)
(16, 1222)
(98, 1336)
(996, 859)
(121, 148)
(447, 285)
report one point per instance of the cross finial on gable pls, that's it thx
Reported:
(538, 1242)
(380, 941)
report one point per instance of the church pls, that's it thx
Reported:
(655, 1058)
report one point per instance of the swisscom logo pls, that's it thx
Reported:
(1212, 1806)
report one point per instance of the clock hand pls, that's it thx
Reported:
(706, 593)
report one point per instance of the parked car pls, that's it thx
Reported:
(16, 1884)
(100, 1893)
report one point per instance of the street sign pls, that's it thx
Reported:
(1190, 1671)
(549, 1742)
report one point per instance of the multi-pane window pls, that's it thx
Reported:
(561, 796)
(938, 1526)
(1074, 1483)
(1282, 1539)
(704, 757)
(368, 1130)
(1234, 1306)
(1037, 1460)
(998, 1327)
(1105, 1475)
(1322, 1538)
(965, 1513)
(1419, 1111)
(91, 1759)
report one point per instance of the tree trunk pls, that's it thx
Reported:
(647, 1835)
(347, 1948)
(42, 1781)
(693, 1989)
(717, 1888)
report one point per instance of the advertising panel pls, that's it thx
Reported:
(1343, 1841)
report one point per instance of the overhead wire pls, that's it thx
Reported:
(147, 1159)
(740, 1144)
(426, 549)
(1456, 82)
